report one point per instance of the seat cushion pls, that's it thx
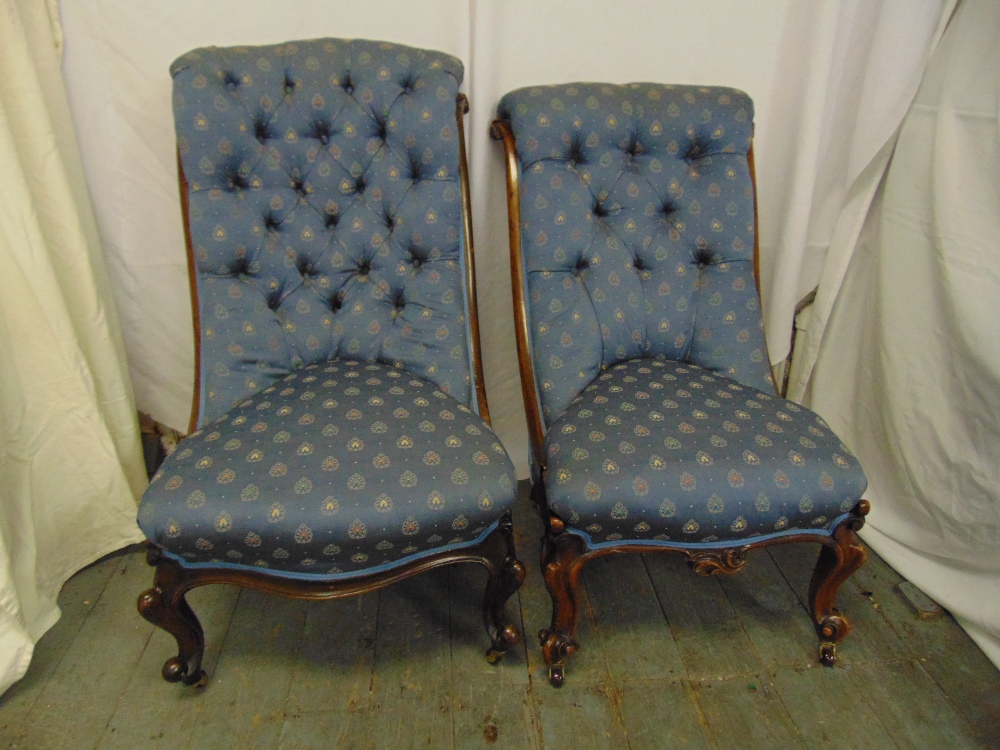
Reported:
(659, 451)
(340, 468)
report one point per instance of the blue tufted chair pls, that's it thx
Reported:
(652, 413)
(341, 434)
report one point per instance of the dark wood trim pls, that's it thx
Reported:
(564, 554)
(756, 259)
(462, 109)
(165, 605)
(500, 131)
(192, 264)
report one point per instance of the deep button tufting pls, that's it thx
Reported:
(305, 267)
(416, 168)
(236, 180)
(364, 267)
(274, 299)
(416, 259)
(697, 149)
(581, 265)
(668, 208)
(298, 184)
(262, 128)
(240, 267)
(292, 125)
(398, 302)
(653, 186)
(634, 148)
(322, 130)
(703, 257)
(336, 302)
(272, 223)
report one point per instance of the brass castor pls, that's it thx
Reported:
(827, 654)
(556, 676)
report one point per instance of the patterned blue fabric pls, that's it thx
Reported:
(338, 468)
(660, 451)
(637, 230)
(325, 211)
(337, 435)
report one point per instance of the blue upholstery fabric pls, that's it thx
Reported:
(338, 468)
(325, 211)
(660, 451)
(337, 427)
(637, 231)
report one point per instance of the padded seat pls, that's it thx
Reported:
(341, 467)
(670, 442)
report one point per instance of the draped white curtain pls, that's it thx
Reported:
(70, 464)
(908, 368)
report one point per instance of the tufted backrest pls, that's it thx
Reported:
(637, 231)
(324, 210)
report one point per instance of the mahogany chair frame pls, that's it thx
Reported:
(564, 554)
(165, 605)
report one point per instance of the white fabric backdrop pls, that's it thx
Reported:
(70, 464)
(908, 369)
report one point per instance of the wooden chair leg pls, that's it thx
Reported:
(506, 574)
(164, 605)
(562, 561)
(836, 564)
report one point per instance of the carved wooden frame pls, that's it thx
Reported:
(165, 605)
(564, 553)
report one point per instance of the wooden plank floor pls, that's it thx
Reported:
(668, 659)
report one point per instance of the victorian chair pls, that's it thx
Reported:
(652, 414)
(341, 435)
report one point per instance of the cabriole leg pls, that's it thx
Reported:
(506, 574)
(164, 605)
(561, 564)
(835, 565)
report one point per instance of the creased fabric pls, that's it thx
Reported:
(909, 368)
(70, 465)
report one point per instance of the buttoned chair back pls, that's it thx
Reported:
(342, 437)
(639, 237)
(651, 408)
(324, 203)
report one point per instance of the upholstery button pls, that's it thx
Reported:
(347, 84)
(230, 80)
(271, 222)
(261, 129)
(703, 257)
(360, 185)
(331, 220)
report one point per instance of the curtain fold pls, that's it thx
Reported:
(908, 368)
(70, 464)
